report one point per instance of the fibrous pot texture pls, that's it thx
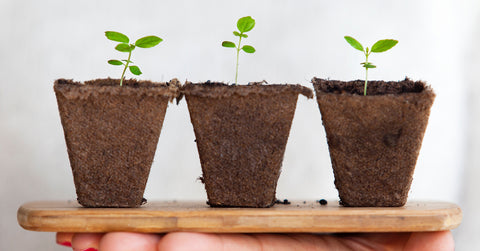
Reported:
(374, 140)
(241, 133)
(111, 133)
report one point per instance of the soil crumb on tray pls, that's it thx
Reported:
(284, 202)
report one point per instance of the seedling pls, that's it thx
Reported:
(379, 46)
(124, 46)
(244, 24)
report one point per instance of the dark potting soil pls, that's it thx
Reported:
(374, 140)
(373, 87)
(111, 133)
(222, 90)
(241, 133)
(322, 202)
(284, 202)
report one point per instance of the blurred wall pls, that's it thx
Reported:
(467, 234)
(41, 41)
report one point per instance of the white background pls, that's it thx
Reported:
(43, 40)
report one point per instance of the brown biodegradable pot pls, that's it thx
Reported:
(111, 133)
(241, 133)
(374, 140)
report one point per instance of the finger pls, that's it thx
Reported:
(277, 242)
(86, 241)
(120, 241)
(431, 241)
(374, 241)
(237, 242)
(64, 239)
(425, 241)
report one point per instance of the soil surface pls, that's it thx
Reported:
(373, 87)
(222, 90)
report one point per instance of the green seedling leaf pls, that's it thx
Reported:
(354, 43)
(384, 45)
(240, 34)
(116, 36)
(115, 62)
(135, 70)
(248, 49)
(124, 48)
(228, 44)
(379, 46)
(148, 42)
(368, 65)
(245, 24)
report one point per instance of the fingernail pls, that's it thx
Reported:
(89, 249)
(65, 243)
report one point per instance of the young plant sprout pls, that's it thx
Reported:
(244, 24)
(379, 46)
(124, 46)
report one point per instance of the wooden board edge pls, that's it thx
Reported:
(40, 220)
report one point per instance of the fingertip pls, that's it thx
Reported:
(121, 241)
(434, 241)
(85, 241)
(64, 239)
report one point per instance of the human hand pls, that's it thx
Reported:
(183, 241)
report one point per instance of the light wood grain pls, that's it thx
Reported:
(309, 216)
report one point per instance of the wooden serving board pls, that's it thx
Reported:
(299, 216)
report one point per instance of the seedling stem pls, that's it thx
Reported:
(125, 68)
(238, 56)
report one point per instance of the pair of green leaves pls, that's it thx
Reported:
(245, 48)
(244, 24)
(379, 46)
(125, 46)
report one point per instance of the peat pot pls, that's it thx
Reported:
(111, 133)
(241, 132)
(374, 140)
